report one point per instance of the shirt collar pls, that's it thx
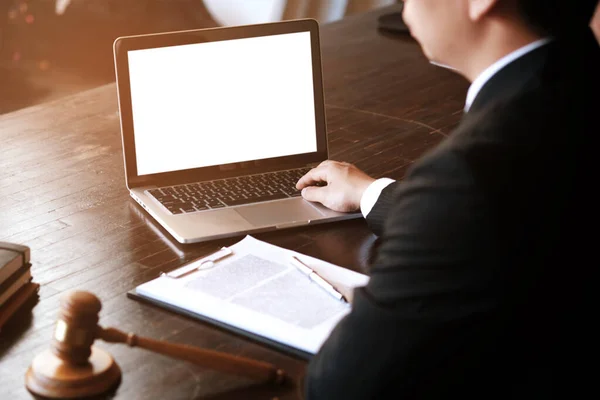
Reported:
(490, 71)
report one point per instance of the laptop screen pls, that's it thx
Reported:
(208, 104)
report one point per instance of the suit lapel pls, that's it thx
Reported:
(513, 78)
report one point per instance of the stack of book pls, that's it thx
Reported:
(16, 285)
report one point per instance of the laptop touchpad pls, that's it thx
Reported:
(279, 212)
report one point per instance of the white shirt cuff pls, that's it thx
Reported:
(371, 195)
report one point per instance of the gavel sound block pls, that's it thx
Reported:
(74, 368)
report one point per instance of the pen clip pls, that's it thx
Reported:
(199, 263)
(305, 269)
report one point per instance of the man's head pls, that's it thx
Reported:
(470, 35)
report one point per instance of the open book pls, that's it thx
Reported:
(257, 292)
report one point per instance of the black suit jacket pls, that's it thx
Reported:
(483, 286)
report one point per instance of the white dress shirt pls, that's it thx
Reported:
(372, 193)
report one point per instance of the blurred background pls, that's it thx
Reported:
(52, 48)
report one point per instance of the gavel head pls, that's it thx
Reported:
(72, 368)
(76, 327)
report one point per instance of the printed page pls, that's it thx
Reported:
(270, 288)
(257, 289)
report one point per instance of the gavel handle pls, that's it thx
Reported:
(257, 370)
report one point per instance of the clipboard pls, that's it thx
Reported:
(289, 350)
(255, 291)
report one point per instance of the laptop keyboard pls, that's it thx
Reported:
(221, 193)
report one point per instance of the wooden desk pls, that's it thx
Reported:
(62, 192)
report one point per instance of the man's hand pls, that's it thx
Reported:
(344, 185)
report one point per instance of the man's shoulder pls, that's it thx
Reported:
(543, 113)
(562, 97)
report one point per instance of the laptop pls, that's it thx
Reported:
(219, 124)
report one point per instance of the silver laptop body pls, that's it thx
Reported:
(201, 109)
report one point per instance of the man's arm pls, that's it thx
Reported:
(376, 216)
(348, 189)
(429, 280)
(344, 185)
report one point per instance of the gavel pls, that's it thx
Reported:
(74, 368)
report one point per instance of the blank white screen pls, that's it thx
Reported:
(222, 102)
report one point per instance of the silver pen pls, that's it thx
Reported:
(202, 263)
(316, 278)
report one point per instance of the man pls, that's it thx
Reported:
(596, 23)
(482, 283)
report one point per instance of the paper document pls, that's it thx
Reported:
(258, 290)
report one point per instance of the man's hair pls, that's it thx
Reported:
(557, 17)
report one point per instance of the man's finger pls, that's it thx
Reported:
(315, 175)
(315, 193)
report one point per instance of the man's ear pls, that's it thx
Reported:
(479, 8)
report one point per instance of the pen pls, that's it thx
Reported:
(316, 278)
(203, 263)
